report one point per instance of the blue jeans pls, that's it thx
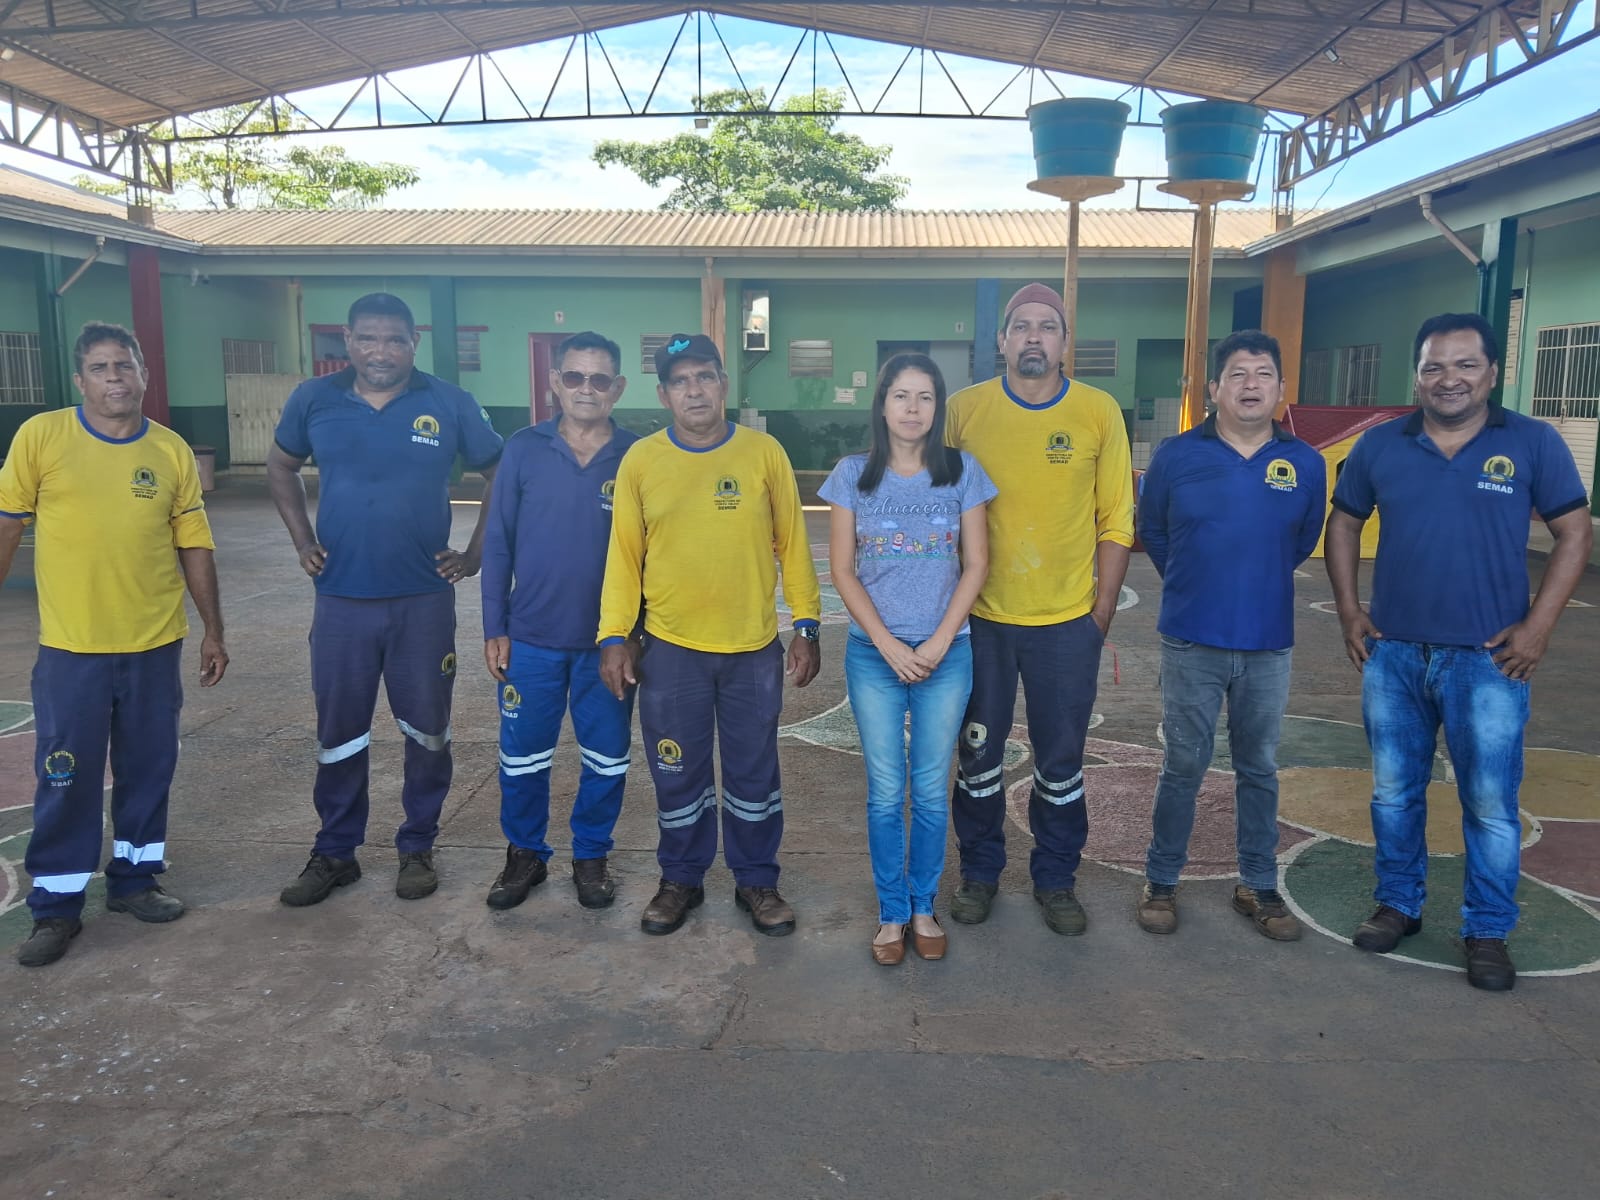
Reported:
(1194, 681)
(880, 702)
(1408, 690)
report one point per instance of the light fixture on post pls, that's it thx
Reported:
(702, 122)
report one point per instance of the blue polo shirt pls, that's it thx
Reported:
(383, 510)
(1452, 565)
(544, 553)
(1226, 533)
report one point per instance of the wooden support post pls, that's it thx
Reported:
(1283, 314)
(144, 287)
(714, 308)
(1069, 293)
(1204, 194)
(442, 316)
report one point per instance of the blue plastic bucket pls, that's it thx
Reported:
(1212, 139)
(1077, 137)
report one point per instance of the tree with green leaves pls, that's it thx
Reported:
(264, 172)
(752, 161)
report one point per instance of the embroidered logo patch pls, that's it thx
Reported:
(59, 767)
(425, 430)
(144, 483)
(447, 665)
(669, 755)
(510, 700)
(726, 495)
(1498, 472)
(608, 491)
(1058, 448)
(1281, 475)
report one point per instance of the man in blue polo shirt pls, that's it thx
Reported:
(1451, 639)
(385, 437)
(1228, 511)
(544, 557)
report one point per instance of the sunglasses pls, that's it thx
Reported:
(599, 381)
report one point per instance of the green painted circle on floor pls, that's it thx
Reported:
(15, 715)
(1331, 884)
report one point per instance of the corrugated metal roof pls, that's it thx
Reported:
(568, 231)
(131, 63)
(25, 185)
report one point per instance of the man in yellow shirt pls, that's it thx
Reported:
(1059, 535)
(698, 511)
(116, 503)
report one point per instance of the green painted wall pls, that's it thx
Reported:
(1384, 303)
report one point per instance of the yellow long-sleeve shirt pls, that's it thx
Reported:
(110, 517)
(693, 533)
(1066, 484)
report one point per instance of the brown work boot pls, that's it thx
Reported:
(593, 881)
(769, 912)
(524, 871)
(670, 907)
(1269, 912)
(1382, 931)
(1157, 910)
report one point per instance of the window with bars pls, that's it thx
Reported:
(1566, 371)
(648, 345)
(21, 369)
(1358, 375)
(1316, 377)
(811, 358)
(467, 356)
(1091, 358)
(241, 356)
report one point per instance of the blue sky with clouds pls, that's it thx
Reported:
(951, 164)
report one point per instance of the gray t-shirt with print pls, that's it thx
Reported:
(908, 539)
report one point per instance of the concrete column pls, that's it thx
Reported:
(1495, 284)
(442, 315)
(1283, 314)
(985, 328)
(149, 326)
(55, 349)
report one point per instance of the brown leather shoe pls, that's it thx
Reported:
(932, 947)
(670, 906)
(891, 954)
(769, 912)
(1157, 910)
(1269, 912)
(1382, 931)
(593, 881)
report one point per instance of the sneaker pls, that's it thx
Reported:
(152, 905)
(48, 941)
(417, 877)
(524, 871)
(1062, 912)
(1382, 931)
(317, 881)
(1266, 907)
(972, 901)
(1489, 965)
(594, 883)
(670, 906)
(769, 912)
(1157, 910)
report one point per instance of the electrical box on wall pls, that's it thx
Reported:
(755, 319)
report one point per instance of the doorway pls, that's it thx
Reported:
(954, 359)
(542, 403)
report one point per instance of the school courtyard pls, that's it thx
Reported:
(372, 1047)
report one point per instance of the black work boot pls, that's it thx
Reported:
(48, 941)
(524, 871)
(595, 886)
(316, 883)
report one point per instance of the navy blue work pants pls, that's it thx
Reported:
(84, 706)
(1059, 666)
(409, 643)
(687, 698)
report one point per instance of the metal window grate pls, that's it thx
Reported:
(1566, 371)
(811, 358)
(1359, 374)
(21, 369)
(467, 353)
(1093, 359)
(1316, 377)
(241, 356)
(648, 345)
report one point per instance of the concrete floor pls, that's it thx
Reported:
(370, 1047)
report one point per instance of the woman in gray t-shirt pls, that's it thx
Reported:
(909, 550)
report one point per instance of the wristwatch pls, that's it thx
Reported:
(810, 632)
